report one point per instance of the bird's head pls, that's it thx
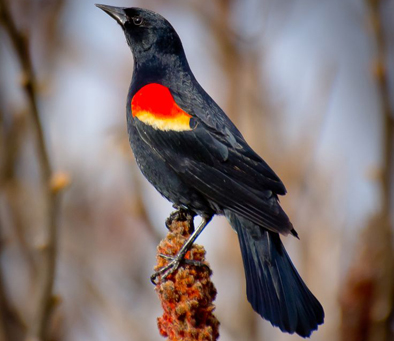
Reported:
(147, 32)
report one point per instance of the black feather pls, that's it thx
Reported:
(201, 163)
(274, 287)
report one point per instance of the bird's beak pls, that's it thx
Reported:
(117, 13)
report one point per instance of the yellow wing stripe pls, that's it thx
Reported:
(179, 123)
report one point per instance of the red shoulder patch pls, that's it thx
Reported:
(153, 104)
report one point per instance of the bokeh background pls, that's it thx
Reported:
(310, 85)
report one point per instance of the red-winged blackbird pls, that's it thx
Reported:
(192, 153)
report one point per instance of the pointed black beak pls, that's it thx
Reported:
(117, 13)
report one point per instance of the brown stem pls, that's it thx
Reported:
(367, 297)
(36, 329)
(12, 325)
(381, 77)
(381, 74)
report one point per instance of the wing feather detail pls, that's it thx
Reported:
(220, 173)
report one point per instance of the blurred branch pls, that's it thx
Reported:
(37, 328)
(386, 294)
(12, 138)
(367, 298)
(381, 76)
(11, 324)
(28, 81)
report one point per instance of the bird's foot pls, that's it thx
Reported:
(173, 265)
(167, 270)
(175, 261)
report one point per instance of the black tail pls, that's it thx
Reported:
(274, 287)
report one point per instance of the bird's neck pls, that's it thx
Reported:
(167, 70)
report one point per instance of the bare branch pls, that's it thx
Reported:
(367, 296)
(46, 272)
(381, 77)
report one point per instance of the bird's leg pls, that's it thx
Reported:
(179, 257)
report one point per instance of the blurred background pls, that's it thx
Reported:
(310, 85)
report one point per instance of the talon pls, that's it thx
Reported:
(171, 269)
(174, 264)
(153, 279)
(167, 270)
(198, 263)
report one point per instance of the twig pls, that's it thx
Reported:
(367, 296)
(12, 325)
(36, 330)
(12, 138)
(386, 293)
(381, 76)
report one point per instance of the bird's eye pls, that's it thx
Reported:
(137, 21)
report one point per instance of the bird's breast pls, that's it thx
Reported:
(154, 105)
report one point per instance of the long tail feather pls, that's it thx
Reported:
(274, 287)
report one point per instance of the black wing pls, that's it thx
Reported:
(224, 169)
(200, 105)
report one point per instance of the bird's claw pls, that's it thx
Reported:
(167, 270)
(173, 265)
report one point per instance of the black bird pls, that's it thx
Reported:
(192, 153)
